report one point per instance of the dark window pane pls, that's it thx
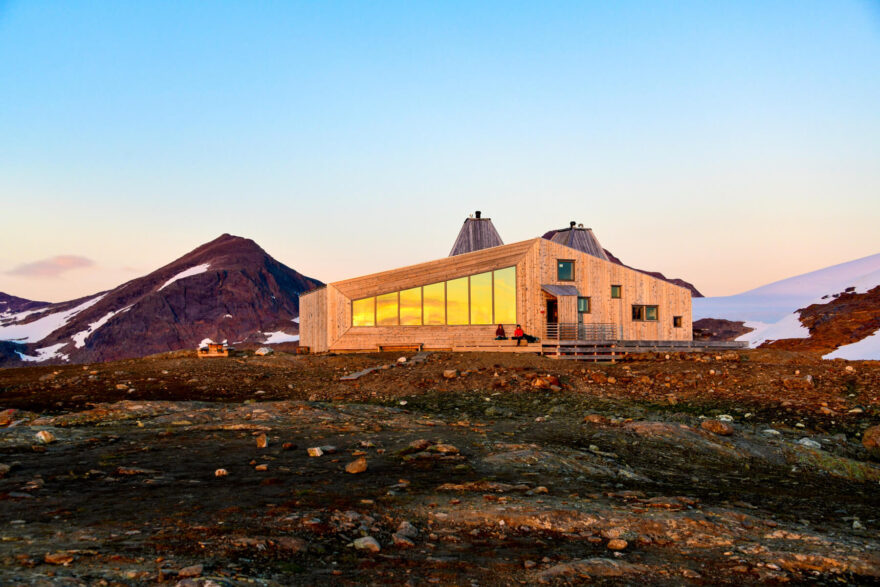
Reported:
(565, 270)
(584, 305)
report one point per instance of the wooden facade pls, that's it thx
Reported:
(326, 315)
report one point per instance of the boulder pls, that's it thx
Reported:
(871, 441)
(367, 543)
(356, 466)
(717, 427)
(45, 437)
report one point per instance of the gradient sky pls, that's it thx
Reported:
(727, 143)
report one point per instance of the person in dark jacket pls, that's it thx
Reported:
(499, 333)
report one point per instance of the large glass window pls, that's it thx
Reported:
(481, 298)
(363, 312)
(411, 307)
(435, 304)
(457, 301)
(505, 296)
(565, 270)
(386, 310)
(484, 298)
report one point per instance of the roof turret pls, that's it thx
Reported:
(476, 234)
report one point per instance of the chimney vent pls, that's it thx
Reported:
(477, 213)
(572, 223)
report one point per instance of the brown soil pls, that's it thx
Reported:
(610, 477)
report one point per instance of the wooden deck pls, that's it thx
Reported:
(612, 350)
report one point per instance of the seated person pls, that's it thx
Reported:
(499, 333)
(519, 335)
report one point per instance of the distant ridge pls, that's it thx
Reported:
(227, 289)
(695, 293)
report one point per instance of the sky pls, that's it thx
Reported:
(727, 143)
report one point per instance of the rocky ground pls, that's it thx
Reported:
(741, 468)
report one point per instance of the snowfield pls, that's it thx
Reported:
(79, 339)
(867, 349)
(198, 269)
(44, 354)
(772, 310)
(42, 327)
(279, 337)
(770, 303)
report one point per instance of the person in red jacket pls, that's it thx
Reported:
(518, 334)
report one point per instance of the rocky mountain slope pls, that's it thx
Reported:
(228, 289)
(835, 311)
(11, 305)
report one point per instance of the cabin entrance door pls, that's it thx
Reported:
(552, 311)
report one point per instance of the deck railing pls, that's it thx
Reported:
(577, 331)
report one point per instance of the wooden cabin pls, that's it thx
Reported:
(213, 349)
(562, 287)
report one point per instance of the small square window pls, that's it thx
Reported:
(565, 270)
(615, 291)
(584, 305)
(638, 313)
(676, 321)
(650, 312)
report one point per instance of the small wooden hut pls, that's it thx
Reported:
(213, 349)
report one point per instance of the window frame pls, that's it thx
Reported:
(589, 309)
(571, 261)
(677, 322)
(619, 292)
(643, 312)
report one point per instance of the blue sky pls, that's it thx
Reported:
(730, 144)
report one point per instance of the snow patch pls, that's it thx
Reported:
(79, 339)
(205, 342)
(44, 354)
(295, 320)
(788, 327)
(279, 337)
(867, 349)
(42, 327)
(187, 273)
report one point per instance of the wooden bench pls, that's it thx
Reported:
(400, 348)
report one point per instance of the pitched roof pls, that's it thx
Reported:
(559, 291)
(581, 239)
(476, 234)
